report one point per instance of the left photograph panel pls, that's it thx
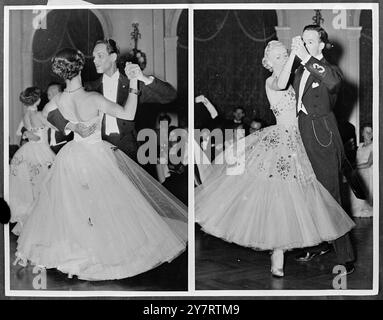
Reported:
(97, 175)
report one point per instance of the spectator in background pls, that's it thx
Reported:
(238, 120)
(255, 125)
(31, 162)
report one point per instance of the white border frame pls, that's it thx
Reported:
(191, 250)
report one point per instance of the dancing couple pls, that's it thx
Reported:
(98, 215)
(288, 197)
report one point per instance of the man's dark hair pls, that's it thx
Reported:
(111, 46)
(30, 96)
(323, 36)
(241, 108)
(165, 117)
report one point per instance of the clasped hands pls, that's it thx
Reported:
(298, 48)
(84, 130)
(133, 71)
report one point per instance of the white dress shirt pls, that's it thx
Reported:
(303, 82)
(110, 86)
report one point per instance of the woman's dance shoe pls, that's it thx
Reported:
(277, 263)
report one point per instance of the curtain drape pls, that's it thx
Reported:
(365, 89)
(229, 46)
(78, 29)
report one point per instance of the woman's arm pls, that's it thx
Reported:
(281, 82)
(128, 112)
(19, 131)
(27, 121)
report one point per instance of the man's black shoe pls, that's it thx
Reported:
(308, 256)
(350, 268)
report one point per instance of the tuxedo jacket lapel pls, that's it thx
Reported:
(309, 82)
(297, 79)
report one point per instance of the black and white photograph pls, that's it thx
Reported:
(284, 149)
(190, 157)
(95, 205)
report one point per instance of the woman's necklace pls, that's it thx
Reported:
(71, 91)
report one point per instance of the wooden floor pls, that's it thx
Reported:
(167, 277)
(224, 266)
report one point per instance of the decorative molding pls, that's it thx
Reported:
(172, 23)
(353, 33)
(354, 20)
(105, 22)
(284, 35)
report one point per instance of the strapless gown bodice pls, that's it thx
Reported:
(285, 109)
(42, 133)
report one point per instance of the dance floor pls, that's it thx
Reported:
(225, 266)
(167, 277)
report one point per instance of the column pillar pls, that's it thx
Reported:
(284, 35)
(158, 47)
(171, 60)
(352, 71)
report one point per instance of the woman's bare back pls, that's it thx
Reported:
(79, 106)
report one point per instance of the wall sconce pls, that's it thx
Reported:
(136, 55)
(318, 20)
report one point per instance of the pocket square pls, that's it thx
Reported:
(315, 84)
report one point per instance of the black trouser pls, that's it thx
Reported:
(56, 148)
(326, 157)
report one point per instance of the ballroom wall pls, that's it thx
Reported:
(158, 30)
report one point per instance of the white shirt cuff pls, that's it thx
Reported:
(66, 130)
(151, 80)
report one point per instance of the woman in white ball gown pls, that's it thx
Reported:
(31, 162)
(276, 203)
(99, 215)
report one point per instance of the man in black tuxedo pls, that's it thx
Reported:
(237, 121)
(316, 85)
(115, 87)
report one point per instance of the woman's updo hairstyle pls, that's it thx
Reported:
(270, 46)
(68, 63)
(30, 96)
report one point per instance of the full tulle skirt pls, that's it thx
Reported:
(28, 168)
(269, 197)
(101, 217)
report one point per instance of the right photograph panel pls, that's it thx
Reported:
(283, 149)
